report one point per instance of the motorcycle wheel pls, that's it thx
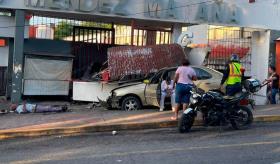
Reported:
(185, 123)
(243, 118)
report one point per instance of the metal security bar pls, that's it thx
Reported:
(93, 35)
(57, 28)
(143, 36)
(42, 27)
(224, 42)
(90, 47)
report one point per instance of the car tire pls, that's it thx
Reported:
(131, 103)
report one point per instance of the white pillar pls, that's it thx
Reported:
(177, 30)
(260, 61)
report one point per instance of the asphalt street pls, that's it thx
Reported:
(257, 145)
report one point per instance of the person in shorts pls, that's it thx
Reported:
(184, 77)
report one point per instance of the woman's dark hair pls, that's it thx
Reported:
(186, 62)
(168, 80)
(273, 68)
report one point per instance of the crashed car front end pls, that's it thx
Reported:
(117, 95)
(112, 102)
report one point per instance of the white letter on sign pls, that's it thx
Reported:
(171, 9)
(233, 14)
(74, 4)
(120, 8)
(105, 6)
(87, 5)
(34, 3)
(202, 13)
(217, 11)
(57, 4)
(152, 8)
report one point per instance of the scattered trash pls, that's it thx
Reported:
(114, 133)
(94, 105)
(3, 99)
(3, 111)
(3, 105)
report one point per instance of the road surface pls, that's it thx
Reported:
(258, 145)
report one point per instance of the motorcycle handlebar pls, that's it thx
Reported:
(264, 84)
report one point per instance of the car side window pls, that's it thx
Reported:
(169, 73)
(156, 78)
(202, 74)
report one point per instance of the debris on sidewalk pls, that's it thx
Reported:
(114, 133)
(3, 111)
(4, 106)
(38, 108)
(3, 99)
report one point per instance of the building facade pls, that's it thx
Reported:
(147, 21)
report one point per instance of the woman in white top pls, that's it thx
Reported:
(167, 90)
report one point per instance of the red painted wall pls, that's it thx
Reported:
(278, 57)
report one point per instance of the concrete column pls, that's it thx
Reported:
(260, 61)
(18, 57)
(177, 31)
(10, 68)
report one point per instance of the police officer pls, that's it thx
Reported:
(233, 76)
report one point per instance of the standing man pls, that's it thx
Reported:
(184, 78)
(233, 76)
(273, 86)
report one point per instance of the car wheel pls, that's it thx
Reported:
(131, 103)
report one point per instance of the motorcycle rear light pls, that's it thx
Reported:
(244, 102)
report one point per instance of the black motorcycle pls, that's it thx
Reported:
(219, 110)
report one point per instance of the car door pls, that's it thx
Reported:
(205, 80)
(152, 90)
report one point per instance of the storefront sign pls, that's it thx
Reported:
(102, 6)
(218, 13)
(214, 12)
(152, 7)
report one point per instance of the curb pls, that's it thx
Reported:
(109, 128)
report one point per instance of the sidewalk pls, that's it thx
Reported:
(83, 120)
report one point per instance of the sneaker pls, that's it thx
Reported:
(161, 109)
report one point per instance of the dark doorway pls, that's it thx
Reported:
(90, 47)
(3, 81)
